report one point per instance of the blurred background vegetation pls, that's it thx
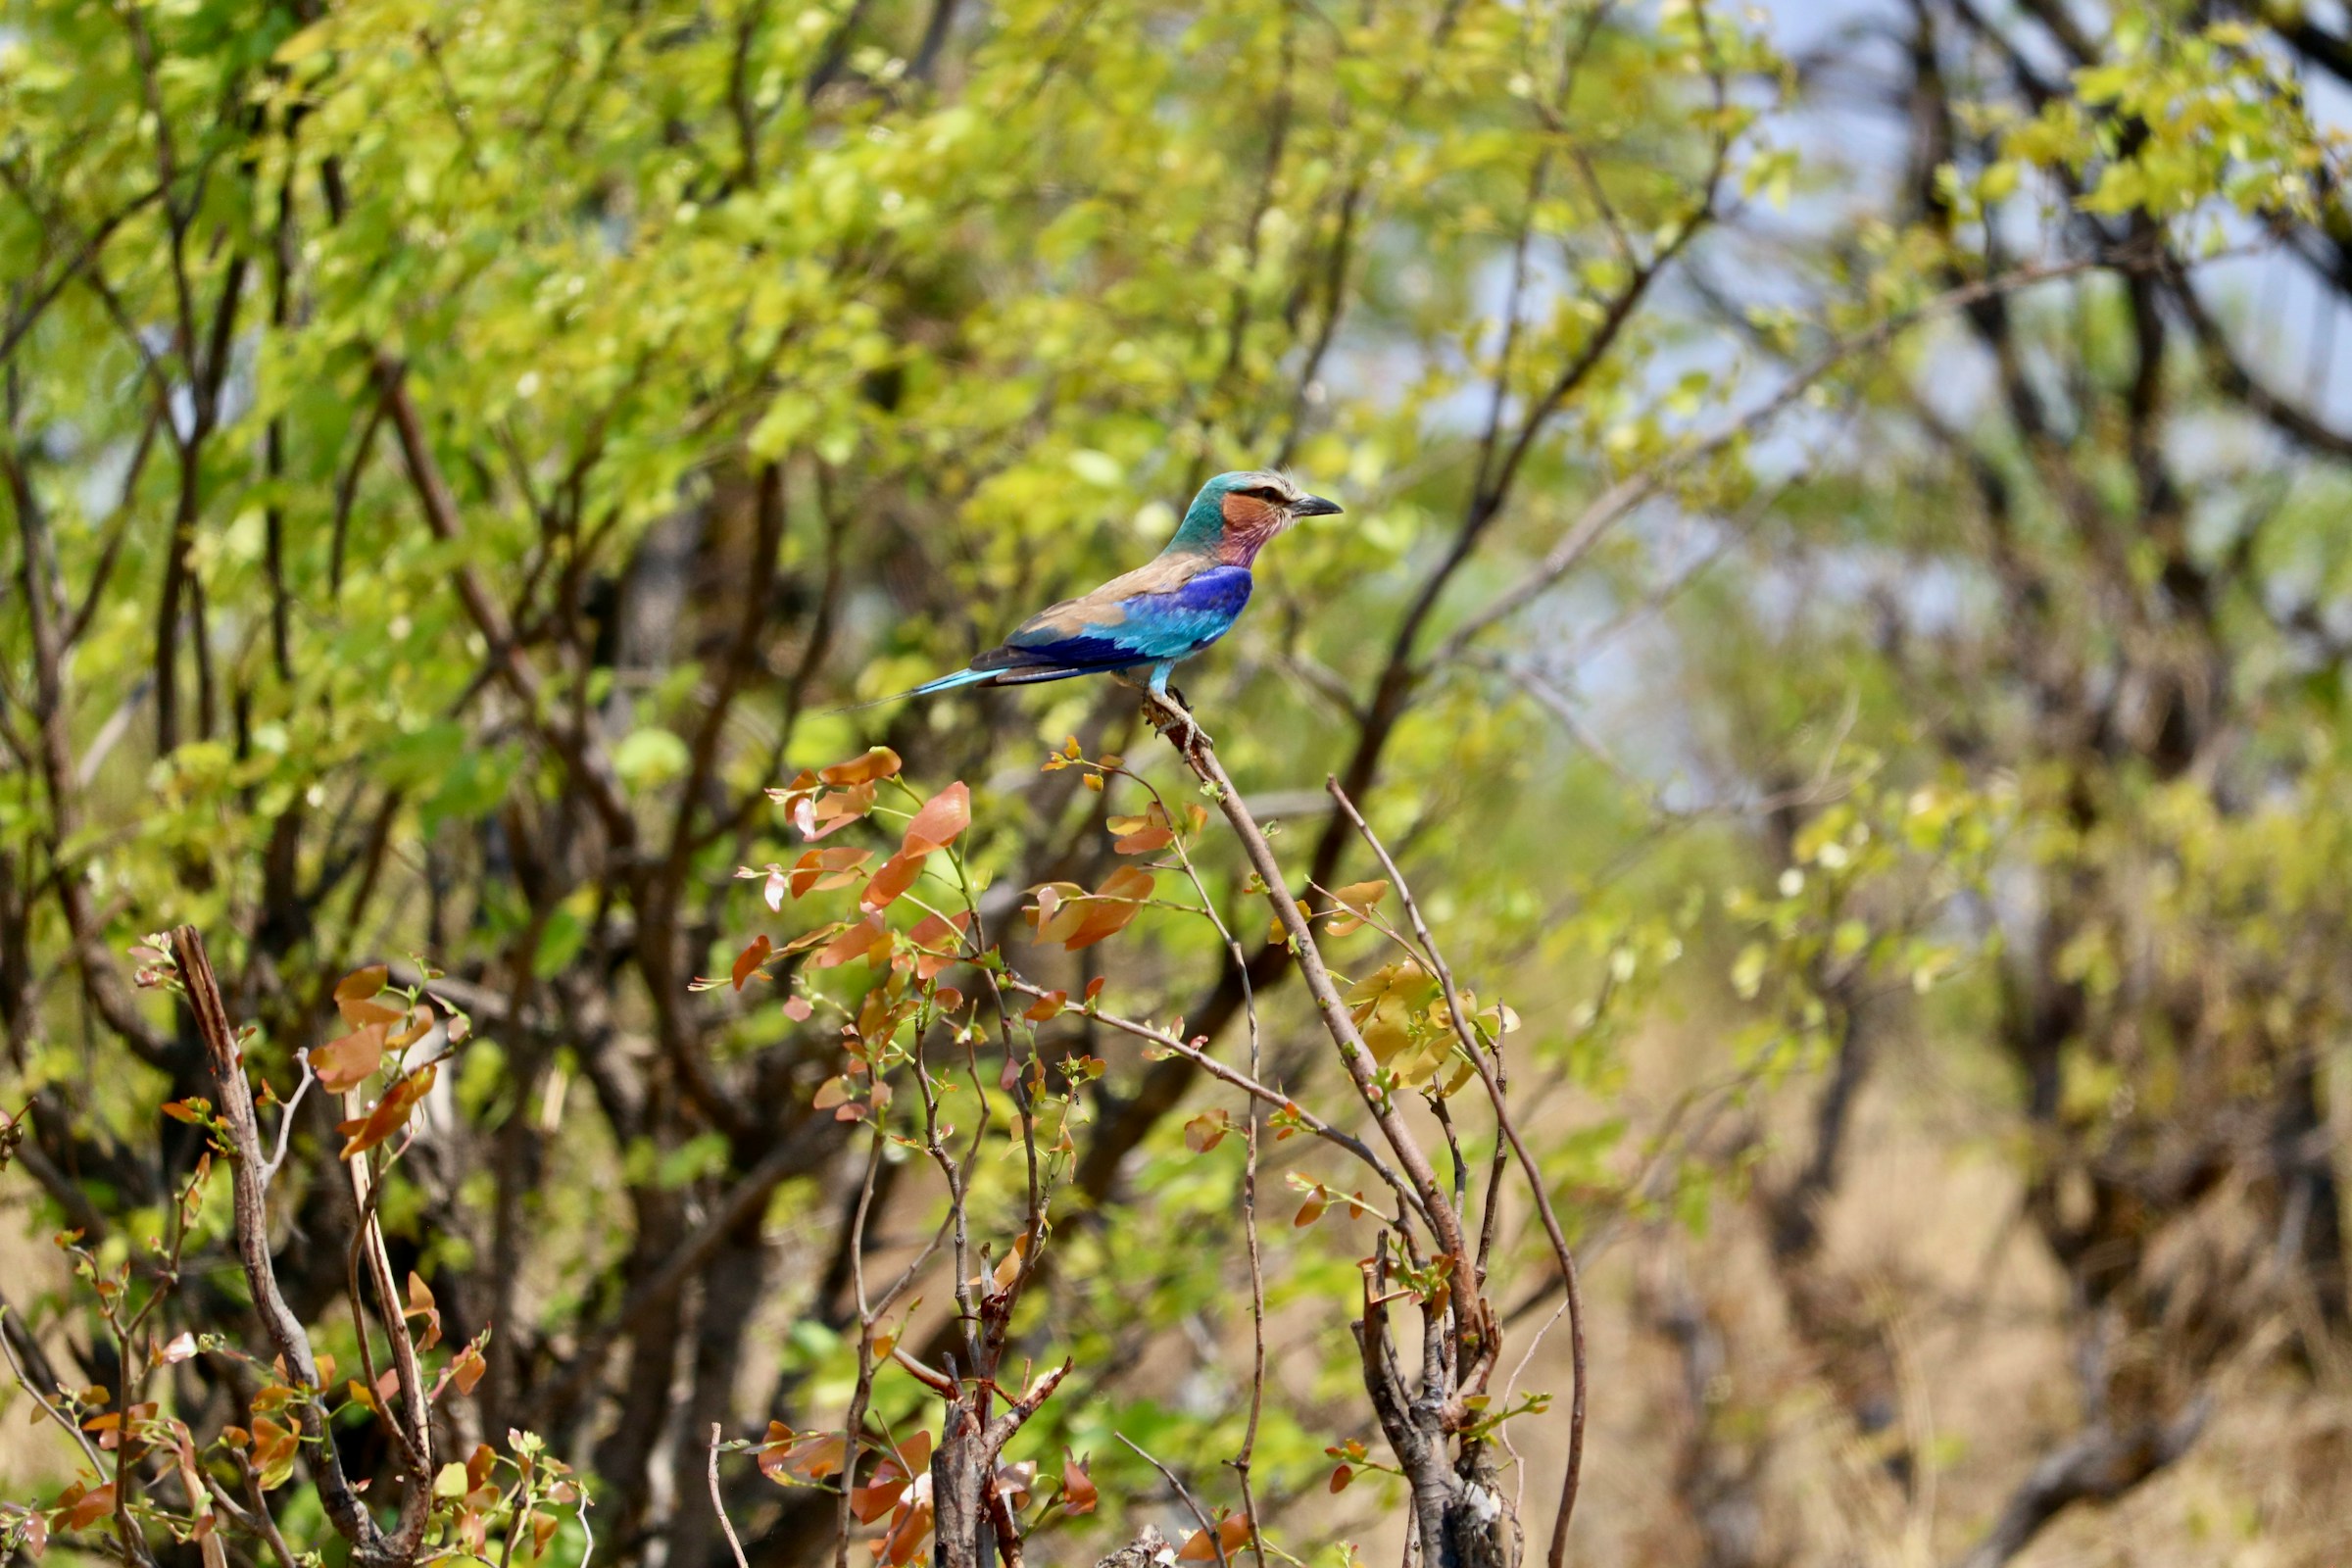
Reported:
(1842, 610)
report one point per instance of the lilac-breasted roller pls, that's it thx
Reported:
(1139, 624)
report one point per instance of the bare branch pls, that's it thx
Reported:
(719, 1503)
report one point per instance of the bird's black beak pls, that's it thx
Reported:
(1315, 507)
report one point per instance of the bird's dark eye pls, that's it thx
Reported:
(1263, 492)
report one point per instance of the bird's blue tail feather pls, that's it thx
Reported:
(945, 683)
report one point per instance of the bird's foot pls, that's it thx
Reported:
(1167, 713)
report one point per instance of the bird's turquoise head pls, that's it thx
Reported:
(1236, 514)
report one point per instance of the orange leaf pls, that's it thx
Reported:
(814, 937)
(811, 1458)
(878, 1017)
(871, 1503)
(944, 939)
(1231, 1531)
(1311, 1210)
(748, 961)
(1077, 1488)
(358, 1014)
(467, 1369)
(1060, 915)
(942, 819)
(90, 1508)
(1205, 1131)
(1010, 1269)
(479, 1466)
(362, 985)
(420, 1024)
(354, 998)
(1340, 1477)
(420, 1304)
(822, 869)
(390, 1114)
(1112, 907)
(797, 1008)
(853, 943)
(892, 1471)
(909, 1526)
(1140, 835)
(347, 1062)
(896, 875)
(1047, 1006)
(834, 810)
(833, 1092)
(772, 1450)
(273, 1448)
(879, 762)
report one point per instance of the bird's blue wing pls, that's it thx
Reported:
(1175, 624)
(1146, 628)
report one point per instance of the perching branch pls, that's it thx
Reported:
(1460, 1517)
(1338, 1021)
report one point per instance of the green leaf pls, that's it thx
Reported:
(650, 758)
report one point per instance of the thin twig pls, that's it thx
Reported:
(1207, 1528)
(1247, 1452)
(97, 1464)
(718, 1505)
(285, 1119)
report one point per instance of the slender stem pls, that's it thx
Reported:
(17, 1368)
(718, 1505)
(1207, 1526)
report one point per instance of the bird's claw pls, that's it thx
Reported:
(1169, 716)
